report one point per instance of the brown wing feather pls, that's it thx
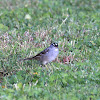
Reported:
(37, 57)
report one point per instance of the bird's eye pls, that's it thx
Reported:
(53, 44)
(56, 45)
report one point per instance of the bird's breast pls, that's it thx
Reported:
(56, 49)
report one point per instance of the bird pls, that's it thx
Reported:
(47, 55)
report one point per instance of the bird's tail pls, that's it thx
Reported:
(29, 58)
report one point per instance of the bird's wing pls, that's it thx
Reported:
(37, 57)
(41, 53)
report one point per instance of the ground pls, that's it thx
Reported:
(27, 27)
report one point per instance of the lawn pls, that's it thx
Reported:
(29, 26)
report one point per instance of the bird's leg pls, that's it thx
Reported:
(46, 67)
(51, 69)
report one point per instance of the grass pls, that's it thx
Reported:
(27, 27)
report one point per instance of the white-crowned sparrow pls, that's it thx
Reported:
(47, 55)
